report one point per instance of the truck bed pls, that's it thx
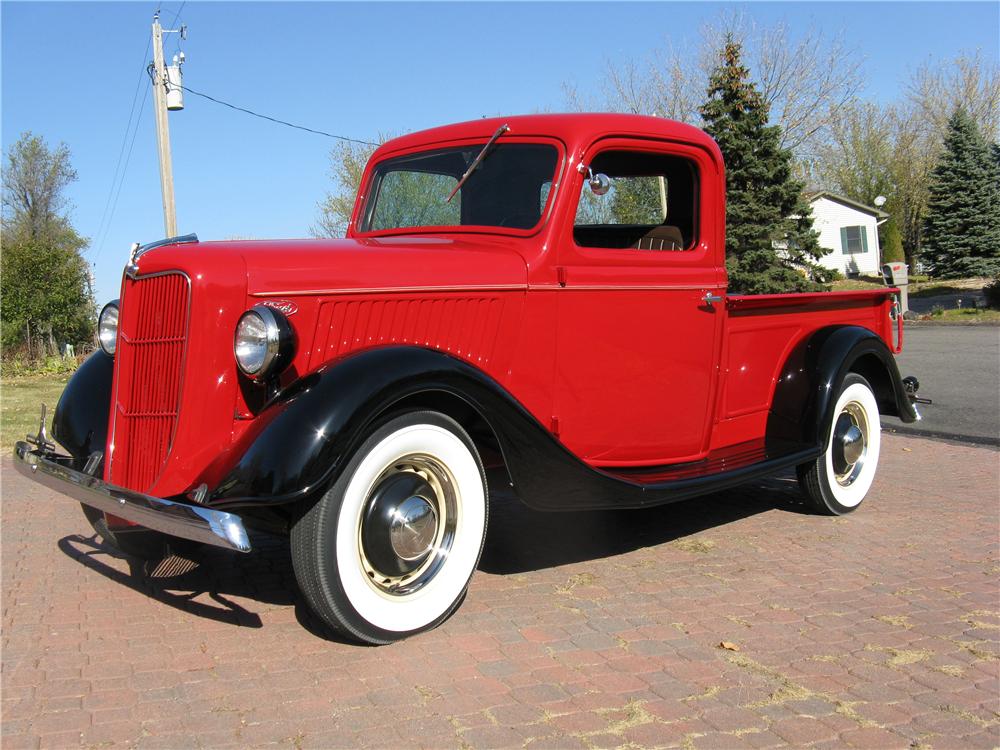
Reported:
(761, 333)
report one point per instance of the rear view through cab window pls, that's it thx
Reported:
(651, 203)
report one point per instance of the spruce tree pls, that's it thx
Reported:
(764, 202)
(962, 225)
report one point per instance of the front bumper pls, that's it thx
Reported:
(183, 520)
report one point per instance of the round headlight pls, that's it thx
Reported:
(263, 342)
(107, 327)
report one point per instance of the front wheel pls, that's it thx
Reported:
(390, 549)
(837, 481)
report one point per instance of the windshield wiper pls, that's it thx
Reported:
(475, 162)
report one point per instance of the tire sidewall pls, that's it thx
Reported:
(840, 499)
(366, 613)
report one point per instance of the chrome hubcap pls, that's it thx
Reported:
(413, 528)
(408, 524)
(850, 443)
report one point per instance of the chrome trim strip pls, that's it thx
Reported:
(179, 239)
(628, 287)
(393, 290)
(215, 527)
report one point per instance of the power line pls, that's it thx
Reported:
(128, 158)
(275, 119)
(102, 229)
(177, 46)
(121, 150)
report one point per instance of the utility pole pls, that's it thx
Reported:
(163, 131)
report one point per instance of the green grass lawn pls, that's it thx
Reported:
(969, 315)
(920, 286)
(20, 401)
(861, 282)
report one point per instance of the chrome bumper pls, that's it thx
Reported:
(177, 519)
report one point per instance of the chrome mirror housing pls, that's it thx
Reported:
(599, 183)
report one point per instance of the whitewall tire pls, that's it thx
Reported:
(390, 548)
(837, 481)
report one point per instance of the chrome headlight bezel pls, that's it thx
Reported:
(273, 345)
(107, 327)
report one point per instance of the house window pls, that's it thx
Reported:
(854, 240)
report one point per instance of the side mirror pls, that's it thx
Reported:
(599, 183)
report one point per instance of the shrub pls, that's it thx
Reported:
(18, 365)
(892, 247)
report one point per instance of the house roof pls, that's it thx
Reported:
(815, 196)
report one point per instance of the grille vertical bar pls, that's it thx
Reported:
(150, 357)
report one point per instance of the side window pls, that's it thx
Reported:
(854, 240)
(543, 195)
(652, 203)
(416, 199)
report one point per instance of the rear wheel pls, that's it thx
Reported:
(390, 549)
(837, 481)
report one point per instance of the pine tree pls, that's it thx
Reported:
(962, 224)
(764, 202)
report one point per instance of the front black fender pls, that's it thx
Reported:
(302, 439)
(80, 422)
(811, 379)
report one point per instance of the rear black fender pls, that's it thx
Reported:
(80, 422)
(811, 379)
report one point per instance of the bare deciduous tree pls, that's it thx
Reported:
(804, 79)
(935, 91)
(891, 149)
(857, 158)
(34, 180)
(347, 166)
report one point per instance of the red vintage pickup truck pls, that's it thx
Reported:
(544, 295)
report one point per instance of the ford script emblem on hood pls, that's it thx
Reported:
(282, 305)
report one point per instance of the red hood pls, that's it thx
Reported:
(292, 267)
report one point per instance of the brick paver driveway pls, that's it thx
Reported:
(581, 630)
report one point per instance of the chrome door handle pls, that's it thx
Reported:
(710, 299)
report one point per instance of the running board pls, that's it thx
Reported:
(742, 456)
(565, 483)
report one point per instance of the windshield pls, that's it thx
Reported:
(509, 188)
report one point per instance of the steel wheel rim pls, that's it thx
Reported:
(850, 443)
(443, 499)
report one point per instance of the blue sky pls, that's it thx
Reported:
(70, 71)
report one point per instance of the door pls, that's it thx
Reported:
(640, 306)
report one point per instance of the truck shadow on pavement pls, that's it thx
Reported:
(519, 540)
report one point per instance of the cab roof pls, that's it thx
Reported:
(572, 129)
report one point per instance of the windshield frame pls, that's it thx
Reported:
(366, 198)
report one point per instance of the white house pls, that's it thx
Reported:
(849, 229)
